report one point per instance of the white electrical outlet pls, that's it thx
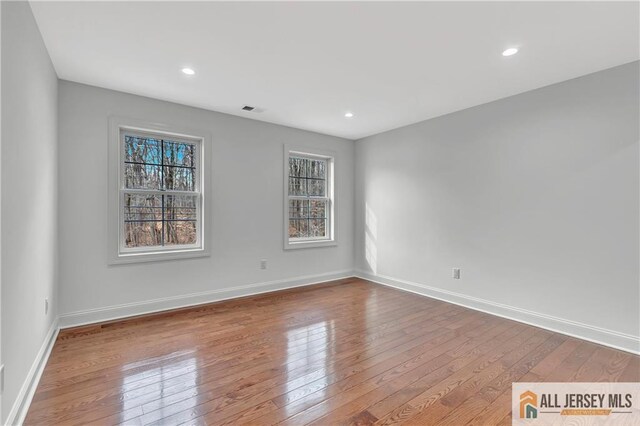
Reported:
(46, 305)
(263, 264)
(456, 273)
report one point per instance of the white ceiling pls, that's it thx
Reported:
(306, 64)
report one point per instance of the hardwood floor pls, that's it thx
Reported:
(348, 352)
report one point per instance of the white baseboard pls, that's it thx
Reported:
(109, 313)
(23, 400)
(602, 336)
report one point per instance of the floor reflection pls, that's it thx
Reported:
(310, 349)
(150, 385)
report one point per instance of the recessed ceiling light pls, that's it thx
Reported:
(510, 51)
(348, 115)
(188, 71)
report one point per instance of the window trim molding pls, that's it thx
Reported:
(114, 209)
(308, 151)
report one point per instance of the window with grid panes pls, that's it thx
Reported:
(160, 195)
(309, 198)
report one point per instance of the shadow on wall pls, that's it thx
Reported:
(370, 236)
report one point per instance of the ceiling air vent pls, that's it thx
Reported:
(248, 108)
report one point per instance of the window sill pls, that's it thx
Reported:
(309, 244)
(159, 256)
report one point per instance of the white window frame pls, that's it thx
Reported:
(330, 238)
(118, 253)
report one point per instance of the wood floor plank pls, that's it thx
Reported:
(214, 352)
(305, 359)
(493, 402)
(428, 373)
(632, 371)
(233, 403)
(443, 387)
(430, 353)
(509, 369)
(180, 339)
(346, 352)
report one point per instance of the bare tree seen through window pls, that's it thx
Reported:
(151, 217)
(308, 202)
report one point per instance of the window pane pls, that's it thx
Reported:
(297, 186)
(308, 181)
(143, 160)
(156, 218)
(297, 167)
(139, 176)
(317, 227)
(142, 150)
(298, 228)
(316, 187)
(143, 234)
(298, 209)
(317, 169)
(180, 232)
(180, 207)
(179, 154)
(179, 178)
(318, 208)
(142, 207)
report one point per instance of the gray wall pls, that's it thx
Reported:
(29, 195)
(535, 197)
(247, 207)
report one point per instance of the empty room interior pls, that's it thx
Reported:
(319, 213)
